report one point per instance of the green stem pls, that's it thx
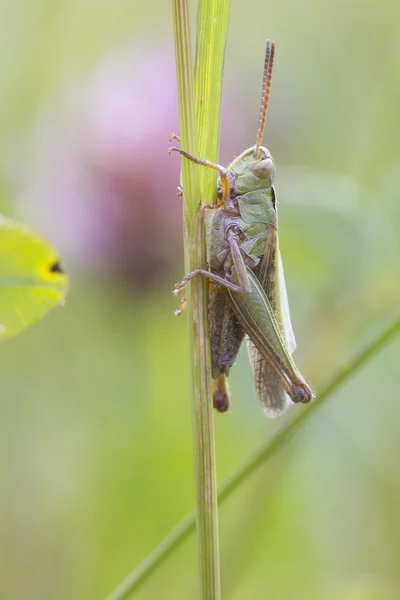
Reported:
(203, 424)
(199, 127)
(187, 525)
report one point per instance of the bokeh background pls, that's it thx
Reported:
(95, 423)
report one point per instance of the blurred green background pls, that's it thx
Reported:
(95, 424)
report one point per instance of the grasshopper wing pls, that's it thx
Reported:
(273, 399)
(282, 312)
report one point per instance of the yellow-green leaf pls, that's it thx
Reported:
(32, 280)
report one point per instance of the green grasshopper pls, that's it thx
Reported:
(245, 267)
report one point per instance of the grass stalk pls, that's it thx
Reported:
(199, 98)
(180, 533)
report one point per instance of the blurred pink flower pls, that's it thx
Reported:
(101, 184)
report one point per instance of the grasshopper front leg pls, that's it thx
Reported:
(181, 310)
(223, 173)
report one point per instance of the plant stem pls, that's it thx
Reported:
(267, 450)
(197, 314)
(202, 118)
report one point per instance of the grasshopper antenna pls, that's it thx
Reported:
(268, 64)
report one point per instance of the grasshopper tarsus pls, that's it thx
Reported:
(179, 311)
(212, 206)
(174, 136)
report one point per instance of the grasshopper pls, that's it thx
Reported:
(248, 294)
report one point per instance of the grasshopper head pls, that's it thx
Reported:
(254, 170)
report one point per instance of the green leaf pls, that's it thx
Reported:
(32, 280)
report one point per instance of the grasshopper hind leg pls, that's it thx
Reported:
(226, 333)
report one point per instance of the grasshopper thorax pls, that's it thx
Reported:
(254, 169)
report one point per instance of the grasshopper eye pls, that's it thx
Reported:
(264, 168)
